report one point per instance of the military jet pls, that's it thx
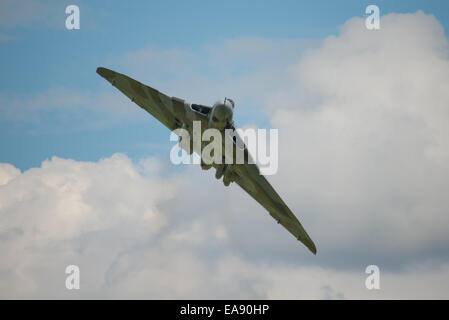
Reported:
(177, 113)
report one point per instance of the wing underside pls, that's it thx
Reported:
(257, 186)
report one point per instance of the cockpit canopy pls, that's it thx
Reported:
(225, 102)
(221, 115)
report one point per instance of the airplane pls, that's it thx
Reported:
(177, 113)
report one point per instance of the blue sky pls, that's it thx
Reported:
(40, 55)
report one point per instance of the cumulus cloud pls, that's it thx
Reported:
(363, 164)
(137, 234)
(367, 115)
(48, 215)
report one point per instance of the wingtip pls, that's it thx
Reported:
(311, 247)
(109, 75)
(101, 71)
(309, 244)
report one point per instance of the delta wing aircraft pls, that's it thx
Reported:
(177, 113)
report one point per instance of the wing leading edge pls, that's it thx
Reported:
(159, 105)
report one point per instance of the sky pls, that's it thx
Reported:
(85, 176)
(40, 58)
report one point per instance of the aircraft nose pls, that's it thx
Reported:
(220, 116)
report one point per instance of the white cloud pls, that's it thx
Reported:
(7, 173)
(364, 138)
(48, 212)
(135, 234)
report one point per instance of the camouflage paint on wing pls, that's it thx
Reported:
(257, 186)
(167, 110)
